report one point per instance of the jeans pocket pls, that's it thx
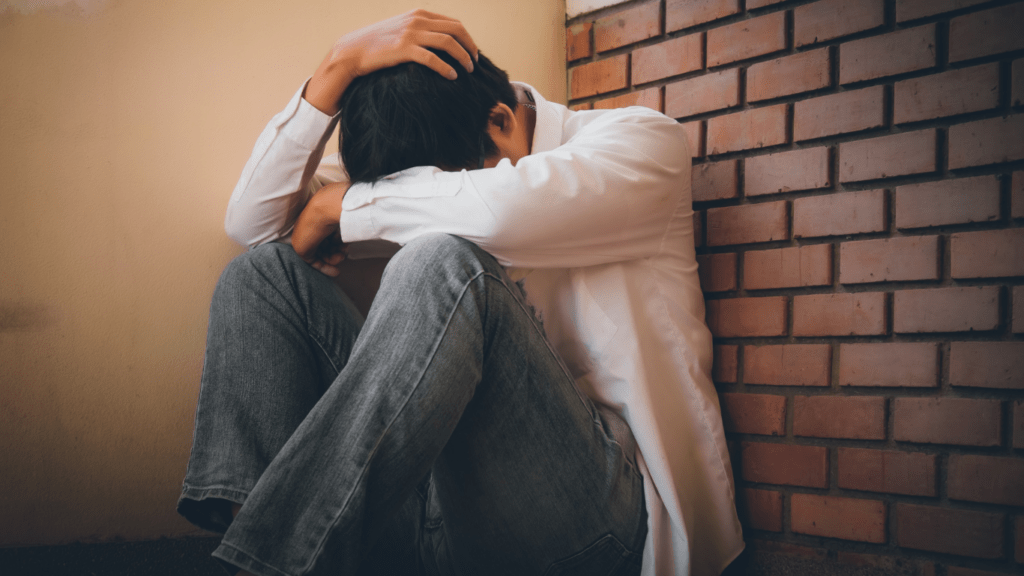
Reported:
(605, 557)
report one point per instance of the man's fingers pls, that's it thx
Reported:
(325, 269)
(448, 44)
(434, 62)
(452, 27)
(334, 258)
(456, 30)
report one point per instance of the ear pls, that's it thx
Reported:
(502, 119)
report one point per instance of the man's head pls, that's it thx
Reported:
(408, 115)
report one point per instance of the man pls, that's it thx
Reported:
(552, 417)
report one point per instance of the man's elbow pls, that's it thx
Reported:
(241, 231)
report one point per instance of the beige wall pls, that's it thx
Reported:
(123, 126)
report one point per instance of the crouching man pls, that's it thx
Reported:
(529, 392)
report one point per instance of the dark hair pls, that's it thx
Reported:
(408, 115)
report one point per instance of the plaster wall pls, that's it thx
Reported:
(123, 127)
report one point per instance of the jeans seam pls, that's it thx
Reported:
(433, 352)
(587, 403)
(205, 491)
(324, 350)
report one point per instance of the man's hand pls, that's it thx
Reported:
(403, 38)
(317, 235)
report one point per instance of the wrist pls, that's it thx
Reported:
(327, 202)
(328, 83)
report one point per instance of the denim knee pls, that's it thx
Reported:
(265, 260)
(435, 253)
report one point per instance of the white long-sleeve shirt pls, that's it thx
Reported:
(597, 220)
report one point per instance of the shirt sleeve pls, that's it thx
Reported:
(285, 169)
(606, 194)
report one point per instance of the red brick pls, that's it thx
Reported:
(945, 202)
(747, 39)
(889, 259)
(788, 364)
(598, 77)
(987, 365)
(949, 531)
(583, 106)
(751, 4)
(914, 9)
(947, 94)
(1017, 93)
(986, 32)
(681, 14)
(695, 138)
(804, 169)
(840, 113)
(754, 413)
(986, 142)
(676, 56)
(895, 364)
(717, 272)
(829, 19)
(747, 223)
(1018, 424)
(988, 253)
(649, 98)
(889, 471)
(860, 314)
(628, 26)
(703, 94)
(946, 309)
(577, 41)
(1018, 309)
(839, 214)
(788, 267)
(1017, 195)
(784, 464)
(698, 229)
(835, 517)
(801, 72)
(714, 181)
(748, 129)
(761, 509)
(888, 54)
(747, 317)
(888, 156)
(986, 479)
(725, 363)
(857, 417)
(963, 421)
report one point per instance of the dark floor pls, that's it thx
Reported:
(191, 557)
(178, 557)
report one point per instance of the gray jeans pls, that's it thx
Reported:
(443, 436)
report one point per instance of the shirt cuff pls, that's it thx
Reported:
(356, 224)
(307, 125)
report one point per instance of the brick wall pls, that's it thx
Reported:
(858, 183)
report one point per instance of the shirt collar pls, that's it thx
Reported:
(547, 132)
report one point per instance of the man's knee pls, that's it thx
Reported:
(266, 261)
(438, 248)
(438, 253)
